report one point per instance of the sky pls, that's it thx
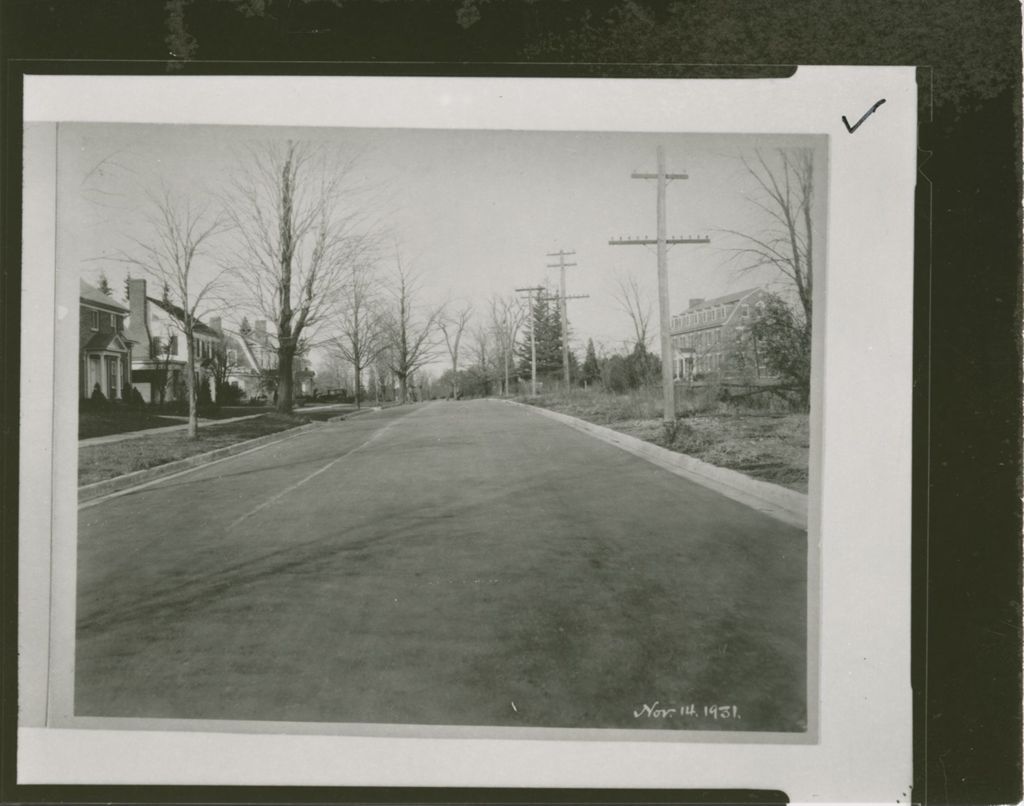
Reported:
(474, 212)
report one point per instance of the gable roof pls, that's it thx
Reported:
(93, 296)
(711, 303)
(244, 359)
(111, 341)
(179, 314)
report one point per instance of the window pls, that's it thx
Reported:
(232, 356)
(746, 311)
(113, 322)
(172, 347)
(94, 320)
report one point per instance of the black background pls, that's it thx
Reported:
(967, 367)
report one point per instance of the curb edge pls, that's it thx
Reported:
(97, 489)
(778, 502)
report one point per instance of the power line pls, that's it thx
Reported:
(530, 291)
(561, 265)
(663, 241)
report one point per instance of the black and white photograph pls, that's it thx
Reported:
(472, 422)
(475, 428)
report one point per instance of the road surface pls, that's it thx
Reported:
(461, 563)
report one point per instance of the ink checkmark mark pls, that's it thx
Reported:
(865, 116)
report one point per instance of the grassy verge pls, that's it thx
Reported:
(99, 462)
(765, 445)
(119, 421)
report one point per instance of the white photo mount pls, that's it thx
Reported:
(860, 488)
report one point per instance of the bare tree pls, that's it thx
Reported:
(409, 328)
(299, 231)
(636, 303)
(178, 252)
(787, 200)
(452, 325)
(507, 317)
(482, 346)
(361, 336)
(783, 330)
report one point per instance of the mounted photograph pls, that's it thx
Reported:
(411, 427)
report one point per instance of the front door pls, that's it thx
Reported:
(94, 374)
(112, 378)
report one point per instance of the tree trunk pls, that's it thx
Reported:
(403, 389)
(286, 355)
(356, 371)
(193, 391)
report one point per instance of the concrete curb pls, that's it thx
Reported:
(778, 502)
(98, 489)
(357, 413)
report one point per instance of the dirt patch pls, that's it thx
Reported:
(768, 446)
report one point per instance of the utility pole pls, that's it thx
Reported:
(561, 265)
(663, 242)
(533, 341)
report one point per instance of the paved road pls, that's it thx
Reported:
(466, 563)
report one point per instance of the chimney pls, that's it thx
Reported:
(259, 331)
(137, 328)
(215, 323)
(695, 301)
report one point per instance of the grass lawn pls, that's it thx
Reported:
(99, 462)
(769, 446)
(119, 421)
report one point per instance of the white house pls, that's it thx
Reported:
(160, 354)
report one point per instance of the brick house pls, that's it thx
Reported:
(712, 338)
(105, 352)
(160, 355)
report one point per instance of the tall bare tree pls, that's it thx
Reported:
(787, 196)
(360, 339)
(410, 338)
(452, 325)
(783, 330)
(636, 303)
(507, 317)
(294, 209)
(482, 346)
(178, 251)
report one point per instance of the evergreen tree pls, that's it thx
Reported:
(591, 369)
(105, 284)
(548, 334)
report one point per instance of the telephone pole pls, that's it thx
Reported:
(533, 341)
(663, 242)
(561, 265)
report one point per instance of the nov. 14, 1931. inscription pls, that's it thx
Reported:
(656, 710)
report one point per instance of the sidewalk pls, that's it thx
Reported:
(343, 408)
(168, 429)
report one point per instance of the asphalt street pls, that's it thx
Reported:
(461, 563)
